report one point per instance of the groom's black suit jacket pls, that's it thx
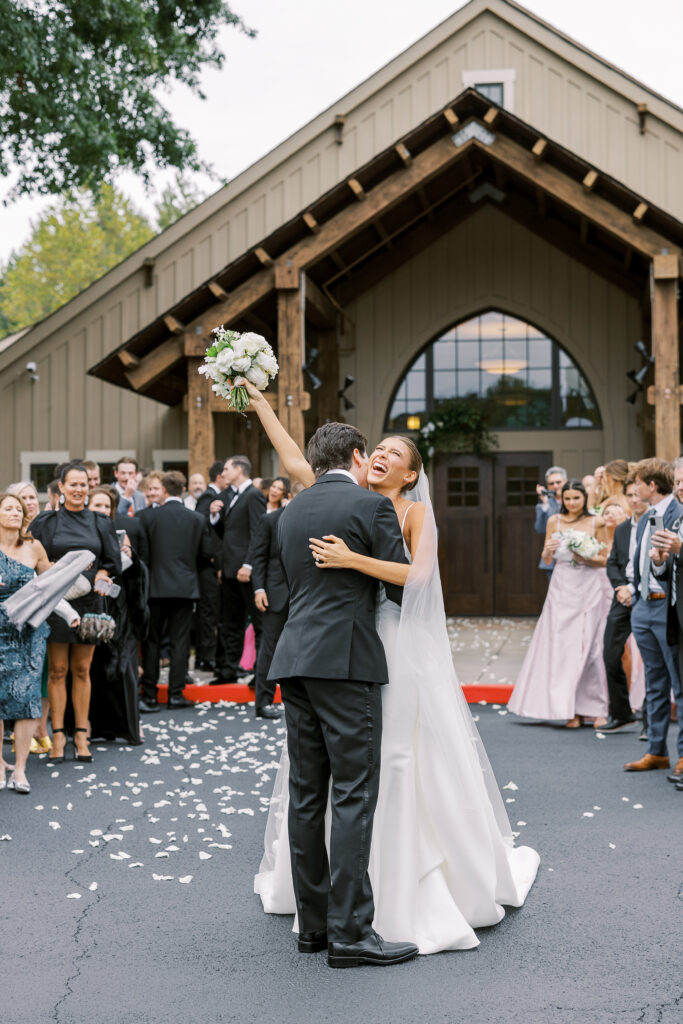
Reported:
(330, 632)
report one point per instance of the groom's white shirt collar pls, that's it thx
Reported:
(345, 472)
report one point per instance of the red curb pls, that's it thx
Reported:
(242, 694)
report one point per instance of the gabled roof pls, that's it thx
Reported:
(417, 188)
(507, 10)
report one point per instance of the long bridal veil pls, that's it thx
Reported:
(424, 656)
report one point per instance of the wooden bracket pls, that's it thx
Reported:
(640, 211)
(128, 359)
(174, 326)
(311, 223)
(286, 276)
(262, 256)
(590, 180)
(404, 154)
(666, 267)
(652, 396)
(452, 119)
(491, 115)
(539, 147)
(356, 188)
(339, 122)
(642, 117)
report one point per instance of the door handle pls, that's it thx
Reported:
(486, 543)
(499, 542)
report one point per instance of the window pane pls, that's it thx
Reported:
(444, 355)
(492, 91)
(416, 386)
(540, 352)
(444, 384)
(468, 383)
(468, 355)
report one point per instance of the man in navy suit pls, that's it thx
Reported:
(649, 616)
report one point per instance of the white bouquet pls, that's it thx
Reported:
(580, 543)
(234, 356)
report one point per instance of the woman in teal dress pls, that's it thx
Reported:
(21, 653)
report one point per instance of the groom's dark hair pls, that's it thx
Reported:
(332, 447)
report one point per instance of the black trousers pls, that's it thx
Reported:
(334, 728)
(237, 601)
(617, 632)
(272, 624)
(208, 617)
(170, 616)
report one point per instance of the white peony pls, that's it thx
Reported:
(224, 360)
(253, 343)
(238, 346)
(258, 377)
(267, 362)
(241, 364)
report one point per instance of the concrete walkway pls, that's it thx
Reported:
(489, 650)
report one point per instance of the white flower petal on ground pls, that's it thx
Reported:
(511, 785)
(54, 825)
(588, 814)
(612, 846)
(162, 878)
(205, 856)
(74, 895)
(93, 886)
(185, 879)
(637, 807)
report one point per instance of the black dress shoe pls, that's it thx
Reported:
(270, 711)
(372, 950)
(220, 681)
(205, 666)
(615, 724)
(679, 785)
(148, 707)
(312, 942)
(180, 702)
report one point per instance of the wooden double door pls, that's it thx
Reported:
(488, 548)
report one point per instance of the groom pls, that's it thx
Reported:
(330, 664)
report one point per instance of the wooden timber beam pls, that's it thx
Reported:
(640, 211)
(201, 441)
(218, 292)
(262, 256)
(356, 188)
(157, 363)
(290, 352)
(541, 203)
(403, 153)
(564, 189)
(327, 367)
(311, 223)
(590, 180)
(452, 119)
(583, 231)
(319, 309)
(383, 197)
(219, 404)
(128, 359)
(667, 391)
(491, 116)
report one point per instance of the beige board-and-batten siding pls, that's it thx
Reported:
(490, 261)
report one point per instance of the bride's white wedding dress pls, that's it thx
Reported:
(443, 860)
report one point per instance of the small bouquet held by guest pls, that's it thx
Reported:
(233, 356)
(582, 544)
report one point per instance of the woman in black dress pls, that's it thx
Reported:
(114, 710)
(74, 527)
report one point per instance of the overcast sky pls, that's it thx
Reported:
(309, 53)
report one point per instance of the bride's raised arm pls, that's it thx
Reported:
(332, 553)
(291, 456)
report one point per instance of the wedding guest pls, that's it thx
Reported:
(130, 498)
(588, 480)
(178, 539)
(53, 496)
(264, 484)
(209, 605)
(75, 527)
(93, 471)
(152, 491)
(235, 517)
(655, 480)
(22, 652)
(278, 492)
(271, 597)
(114, 670)
(678, 479)
(620, 572)
(563, 675)
(134, 539)
(196, 487)
(615, 477)
(598, 492)
(549, 501)
(41, 742)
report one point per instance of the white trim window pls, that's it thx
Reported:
(39, 467)
(165, 459)
(497, 85)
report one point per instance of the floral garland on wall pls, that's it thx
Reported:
(456, 426)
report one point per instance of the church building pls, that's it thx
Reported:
(493, 220)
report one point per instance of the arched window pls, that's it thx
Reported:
(522, 378)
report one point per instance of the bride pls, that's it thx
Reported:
(443, 860)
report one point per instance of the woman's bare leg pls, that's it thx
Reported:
(23, 733)
(81, 658)
(58, 667)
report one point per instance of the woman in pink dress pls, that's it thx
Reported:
(563, 675)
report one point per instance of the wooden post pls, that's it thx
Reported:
(327, 368)
(290, 354)
(664, 283)
(248, 441)
(200, 433)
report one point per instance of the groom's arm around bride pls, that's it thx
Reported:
(329, 662)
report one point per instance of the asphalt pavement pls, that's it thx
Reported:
(127, 891)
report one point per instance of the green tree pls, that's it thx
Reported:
(74, 242)
(79, 85)
(176, 200)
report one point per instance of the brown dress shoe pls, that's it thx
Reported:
(677, 773)
(647, 763)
